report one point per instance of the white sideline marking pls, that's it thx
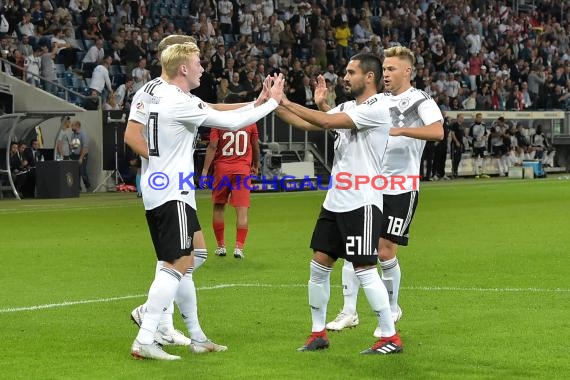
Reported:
(222, 286)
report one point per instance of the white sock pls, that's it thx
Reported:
(188, 304)
(166, 322)
(391, 276)
(350, 286)
(477, 167)
(200, 256)
(377, 298)
(319, 294)
(160, 295)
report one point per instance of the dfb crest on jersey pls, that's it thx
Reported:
(404, 103)
(202, 105)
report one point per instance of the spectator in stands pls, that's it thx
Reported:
(342, 35)
(124, 94)
(26, 28)
(331, 94)
(253, 88)
(225, 10)
(93, 56)
(303, 94)
(111, 104)
(237, 91)
(218, 61)
(222, 91)
(25, 47)
(90, 29)
(47, 69)
(5, 66)
(32, 66)
(100, 80)
(133, 51)
(93, 101)
(140, 74)
(451, 87)
(536, 78)
(484, 100)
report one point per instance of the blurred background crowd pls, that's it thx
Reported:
(471, 54)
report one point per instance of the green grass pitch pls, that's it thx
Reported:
(485, 293)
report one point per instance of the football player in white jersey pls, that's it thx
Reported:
(168, 196)
(409, 109)
(350, 219)
(136, 138)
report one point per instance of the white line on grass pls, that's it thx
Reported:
(222, 286)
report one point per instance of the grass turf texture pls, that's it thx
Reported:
(485, 289)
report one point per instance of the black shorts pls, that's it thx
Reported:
(399, 210)
(498, 151)
(479, 152)
(351, 235)
(172, 226)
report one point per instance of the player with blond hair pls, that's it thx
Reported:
(171, 213)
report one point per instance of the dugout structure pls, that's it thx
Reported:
(18, 127)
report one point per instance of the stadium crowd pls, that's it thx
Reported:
(471, 54)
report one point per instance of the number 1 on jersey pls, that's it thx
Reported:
(152, 133)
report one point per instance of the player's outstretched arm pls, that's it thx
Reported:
(290, 118)
(431, 132)
(134, 138)
(318, 118)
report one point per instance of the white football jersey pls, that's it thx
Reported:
(173, 119)
(479, 135)
(139, 108)
(411, 109)
(358, 152)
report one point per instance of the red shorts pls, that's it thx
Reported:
(232, 187)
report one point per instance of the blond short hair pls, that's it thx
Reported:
(175, 55)
(173, 39)
(402, 53)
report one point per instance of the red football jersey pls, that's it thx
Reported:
(234, 153)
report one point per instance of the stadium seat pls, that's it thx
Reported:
(88, 44)
(114, 70)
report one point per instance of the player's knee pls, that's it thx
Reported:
(388, 250)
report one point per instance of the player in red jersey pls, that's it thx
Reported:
(235, 156)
